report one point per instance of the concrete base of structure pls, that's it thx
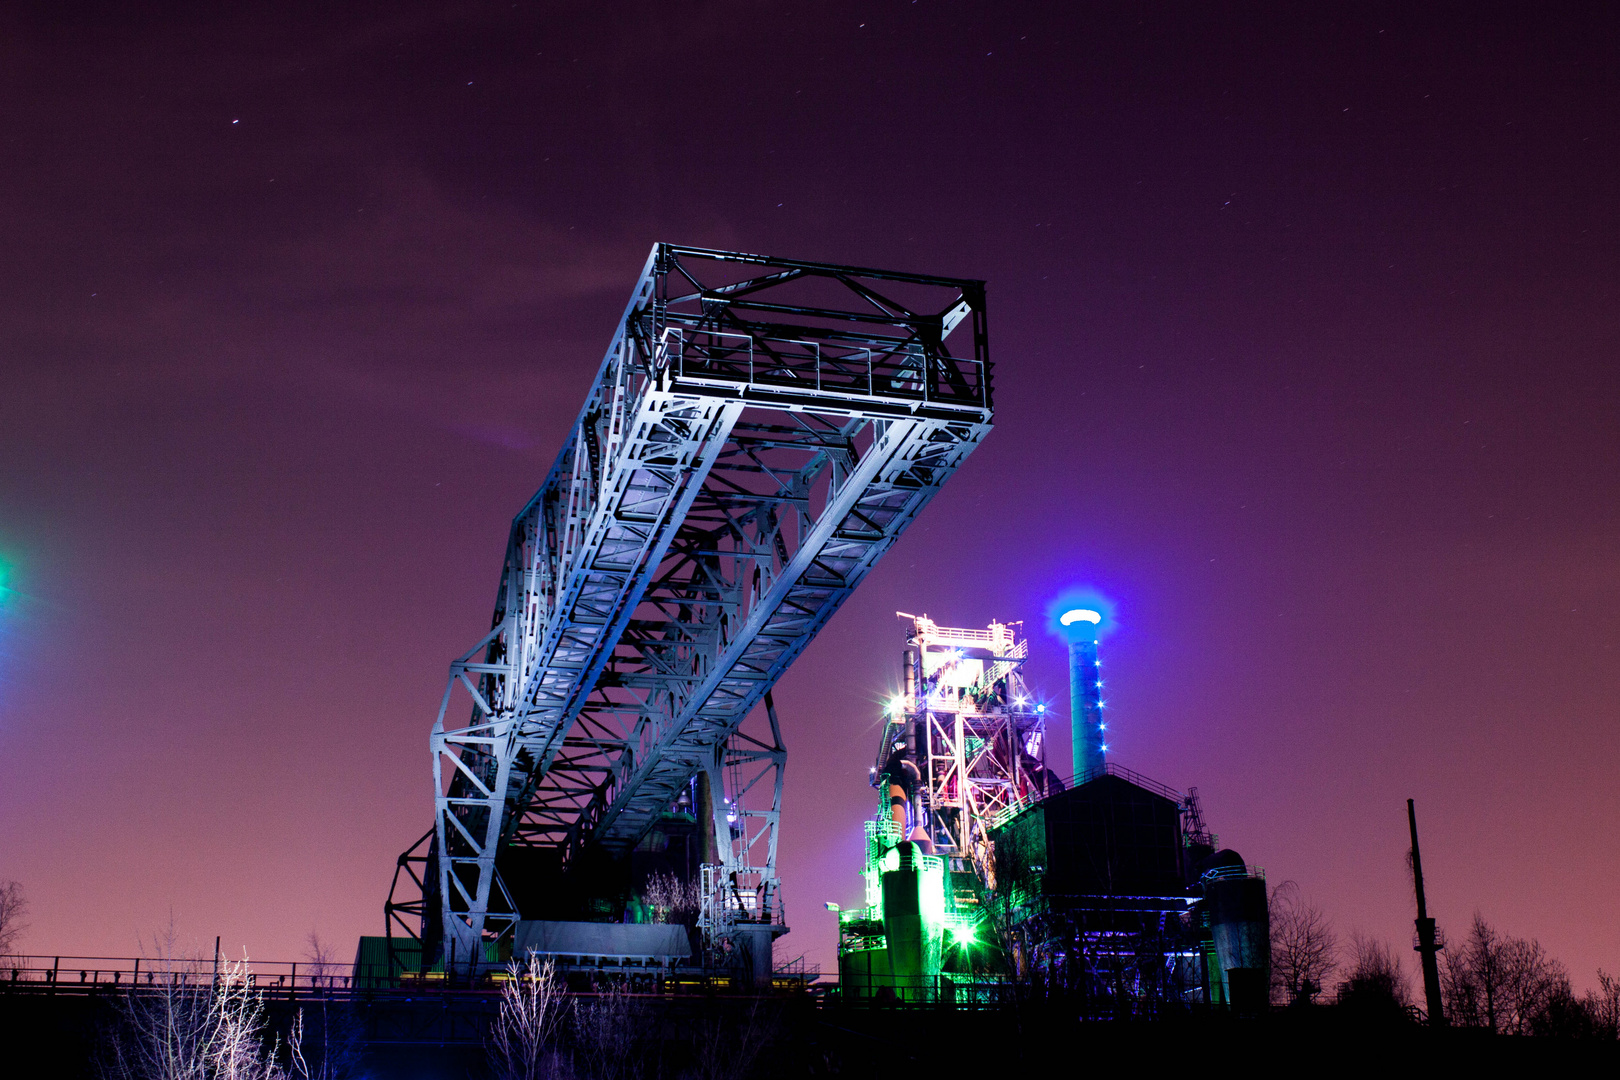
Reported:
(754, 942)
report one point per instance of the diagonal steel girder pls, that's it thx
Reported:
(882, 497)
(649, 491)
(741, 461)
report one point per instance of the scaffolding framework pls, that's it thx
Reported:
(975, 732)
(741, 889)
(961, 750)
(759, 433)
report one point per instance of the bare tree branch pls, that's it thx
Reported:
(671, 899)
(1376, 981)
(327, 1045)
(533, 1008)
(191, 1021)
(1304, 946)
(1502, 983)
(13, 906)
(609, 1035)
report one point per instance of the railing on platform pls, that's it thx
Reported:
(88, 973)
(901, 371)
(1111, 769)
(920, 991)
(303, 979)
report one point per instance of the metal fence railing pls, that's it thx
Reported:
(302, 979)
(86, 973)
(1111, 769)
(902, 371)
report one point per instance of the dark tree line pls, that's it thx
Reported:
(1505, 984)
(1489, 979)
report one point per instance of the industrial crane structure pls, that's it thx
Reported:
(759, 433)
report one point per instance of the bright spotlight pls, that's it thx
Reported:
(1075, 615)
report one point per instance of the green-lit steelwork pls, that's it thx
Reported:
(984, 871)
(920, 936)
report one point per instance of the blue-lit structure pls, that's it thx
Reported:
(760, 431)
(1081, 627)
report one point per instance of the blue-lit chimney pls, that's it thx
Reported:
(1081, 626)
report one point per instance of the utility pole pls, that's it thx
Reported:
(1427, 947)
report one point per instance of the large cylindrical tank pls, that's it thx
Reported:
(1240, 929)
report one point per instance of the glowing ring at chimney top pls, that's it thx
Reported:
(1080, 615)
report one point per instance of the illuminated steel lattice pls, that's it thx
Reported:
(759, 433)
(974, 731)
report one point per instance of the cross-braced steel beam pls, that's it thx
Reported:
(759, 433)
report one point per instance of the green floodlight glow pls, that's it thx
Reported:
(931, 889)
(963, 935)
(1076, 615)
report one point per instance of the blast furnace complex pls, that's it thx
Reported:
(986, 871)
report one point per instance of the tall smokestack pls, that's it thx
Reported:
(1081, 626)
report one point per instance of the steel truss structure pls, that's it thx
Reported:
(741, 887)
(974, 731)
(759, 433)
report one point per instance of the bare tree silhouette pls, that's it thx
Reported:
(1375, 982)
(1304, 946)
(191, 1020)
(13, 906)
(1499, 982)
(326, 1043)
(523, 1042)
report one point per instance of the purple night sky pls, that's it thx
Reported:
(1305, 323)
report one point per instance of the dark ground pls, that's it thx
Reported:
(57, 1036)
